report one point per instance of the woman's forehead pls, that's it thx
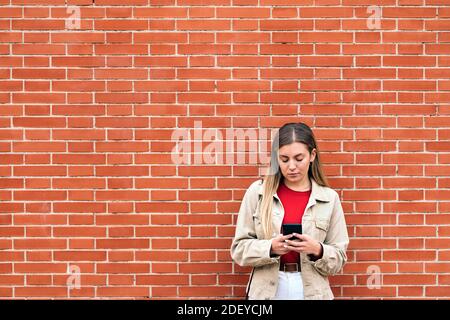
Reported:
(293, 149)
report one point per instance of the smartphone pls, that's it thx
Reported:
(290, 228)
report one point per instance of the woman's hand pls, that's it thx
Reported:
(278, 245)
(306, 245)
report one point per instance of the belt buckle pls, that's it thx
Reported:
(288, 264)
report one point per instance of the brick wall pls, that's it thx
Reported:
(92, 204)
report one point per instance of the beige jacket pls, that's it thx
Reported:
(323, 220)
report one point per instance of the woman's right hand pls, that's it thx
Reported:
(278, 245)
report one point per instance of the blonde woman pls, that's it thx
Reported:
(295, 191)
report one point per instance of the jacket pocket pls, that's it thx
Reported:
(258, 225)
(321, 229)
(322, 224)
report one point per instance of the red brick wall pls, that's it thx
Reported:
(87, 183)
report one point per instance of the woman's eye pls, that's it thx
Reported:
(296, 159)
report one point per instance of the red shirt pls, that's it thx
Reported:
(294, 204)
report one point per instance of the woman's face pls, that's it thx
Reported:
(294, 160)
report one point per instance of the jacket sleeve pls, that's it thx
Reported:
(335, 244)
(246, 249)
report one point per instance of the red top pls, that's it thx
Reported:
(294, 204)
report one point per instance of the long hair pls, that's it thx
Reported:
(287, 134)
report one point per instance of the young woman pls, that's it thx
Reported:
(295, 190)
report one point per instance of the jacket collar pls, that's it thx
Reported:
(317, 192)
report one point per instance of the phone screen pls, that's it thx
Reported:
(290, 228)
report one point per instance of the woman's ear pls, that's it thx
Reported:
(313, 155)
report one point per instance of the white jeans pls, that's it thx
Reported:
(290, 286)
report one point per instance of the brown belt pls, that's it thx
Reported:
(290, 267)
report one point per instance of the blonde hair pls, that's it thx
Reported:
(287, 134)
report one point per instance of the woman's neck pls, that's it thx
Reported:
(304, 185)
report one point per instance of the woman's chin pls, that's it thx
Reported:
(293, 178)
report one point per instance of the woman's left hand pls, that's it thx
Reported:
(307, 245)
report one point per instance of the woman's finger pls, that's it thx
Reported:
(294, 243)
(296, 249)
(301, 237)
